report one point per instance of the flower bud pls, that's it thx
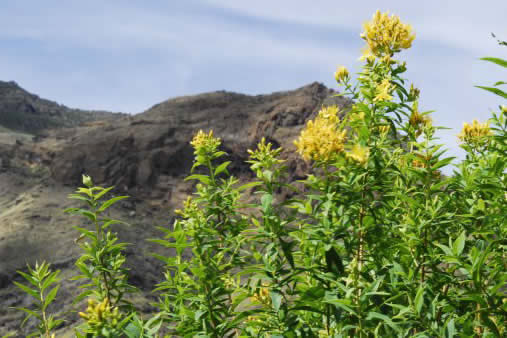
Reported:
(87, 180)
(341, 74)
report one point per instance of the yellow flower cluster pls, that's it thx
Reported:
(262, 296)
(205, 143)
(189, 208)
(356, 117)
(475, 133)
(341, 74)
(98, 315)
(386, 35)
(366, 55)
(384, 90)
(359, 153)
(321, 139)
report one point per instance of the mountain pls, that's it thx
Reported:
(145, 156)
(23, 111)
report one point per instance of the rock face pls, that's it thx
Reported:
(23, 111)
(145, 156)
(143, 152)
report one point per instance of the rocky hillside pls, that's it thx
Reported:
(145, 156)
(23, 111)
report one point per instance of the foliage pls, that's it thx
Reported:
(41, 279)
(374, 242)
(101, 265)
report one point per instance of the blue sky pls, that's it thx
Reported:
(129, 55)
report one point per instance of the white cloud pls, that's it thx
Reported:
(457, 23)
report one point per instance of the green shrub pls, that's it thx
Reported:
(377, 241)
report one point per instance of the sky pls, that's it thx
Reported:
(129, 55)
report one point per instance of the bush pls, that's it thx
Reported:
(377, 241)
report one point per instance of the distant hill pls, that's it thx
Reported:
(24, 111)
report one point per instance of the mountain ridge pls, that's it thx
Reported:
(21, 110)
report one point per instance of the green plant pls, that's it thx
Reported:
(41, 279)
(374, 242)
(101, 265)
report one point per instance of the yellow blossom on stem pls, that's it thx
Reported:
(321, 139)
(99, 315)
(359, 153)
(367, 55)
(475, 133)
(341, 74)
(418, 120)
(205, 143)
(387, 35)
(355, 117)
(384, 91)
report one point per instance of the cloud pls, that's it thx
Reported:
(461, 24)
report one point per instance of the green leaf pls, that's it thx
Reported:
(249, 185)
(102, 193)
(91, 216)
(29, 312)
(221, 168)
(419, 299)
(266, 201)
(451, 330)
(29, 278)
(341, 303)
(498, 61)
(31, 292)
(384, 318)
(276, 298)
(459, 244)
(49, 298)
(50, 279)
(445, 249)
(494, 90)
(110, 202)
(202, 178)
(86, 232)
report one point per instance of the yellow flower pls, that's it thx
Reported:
(504, 109)
(387, 35)
(367, 55)
(417, 120)
(418, 164)
(341, 74)
(99, 315)
(475, 133)
(355, 117)
(384, 91)
(384, 129)
(262, 296)
(359, 153)
(205, 143)
(321, 139)
(330, 113)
